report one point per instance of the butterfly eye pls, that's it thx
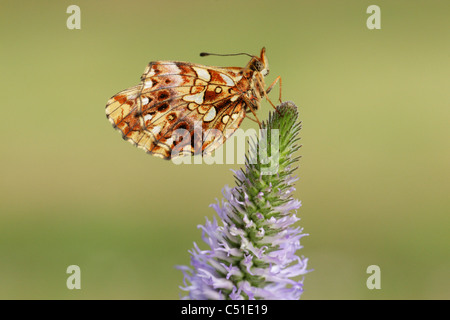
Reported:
(259, 65)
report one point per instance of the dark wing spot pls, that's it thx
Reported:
(209, 95)
(182, 125)
(163, 107)
(163, 95)
(172, 117)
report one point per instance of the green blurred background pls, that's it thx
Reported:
(375, 173)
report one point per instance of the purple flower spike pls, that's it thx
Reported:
(252, 245)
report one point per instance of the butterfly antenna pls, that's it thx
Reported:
(204, 54)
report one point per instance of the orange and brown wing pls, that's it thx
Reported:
(176, 97)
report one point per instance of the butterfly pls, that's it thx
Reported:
(182, 108)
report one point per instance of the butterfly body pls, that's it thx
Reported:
(176, 97)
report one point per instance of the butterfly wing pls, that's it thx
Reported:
(179, 108)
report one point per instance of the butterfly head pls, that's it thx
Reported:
(260, 64)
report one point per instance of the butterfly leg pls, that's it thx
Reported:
(254, 120)
(249, 104)
(265, 92)
(278, 79)
(257, 120)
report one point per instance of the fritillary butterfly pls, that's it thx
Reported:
(175, 96)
